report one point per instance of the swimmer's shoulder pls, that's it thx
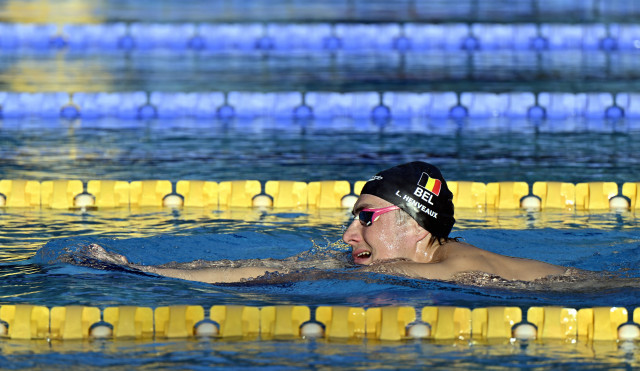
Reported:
(459, 251)
(466, 257)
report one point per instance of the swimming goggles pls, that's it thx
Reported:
(368, 216)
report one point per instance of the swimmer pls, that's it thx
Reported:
(402, 221)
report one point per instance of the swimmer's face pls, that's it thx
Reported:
(384, 238)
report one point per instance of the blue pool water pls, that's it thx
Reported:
(266, 149)
(580, 48)
(36, 243)
(338, 286)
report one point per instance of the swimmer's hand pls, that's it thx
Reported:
(99, 253)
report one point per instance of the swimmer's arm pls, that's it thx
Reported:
(210, 275)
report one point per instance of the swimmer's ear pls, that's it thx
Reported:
(421, 233)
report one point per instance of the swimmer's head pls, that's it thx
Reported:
(419, 189)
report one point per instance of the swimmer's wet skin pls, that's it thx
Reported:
(419, 246)
(402, 222)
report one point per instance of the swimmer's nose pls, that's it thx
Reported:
(353, 234)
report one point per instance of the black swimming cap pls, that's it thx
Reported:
(420, 190)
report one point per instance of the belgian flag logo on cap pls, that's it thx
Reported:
(430, 184)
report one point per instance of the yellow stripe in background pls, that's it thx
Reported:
(52, 11)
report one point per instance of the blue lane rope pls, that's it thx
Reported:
(327, 37)
(377, 106)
